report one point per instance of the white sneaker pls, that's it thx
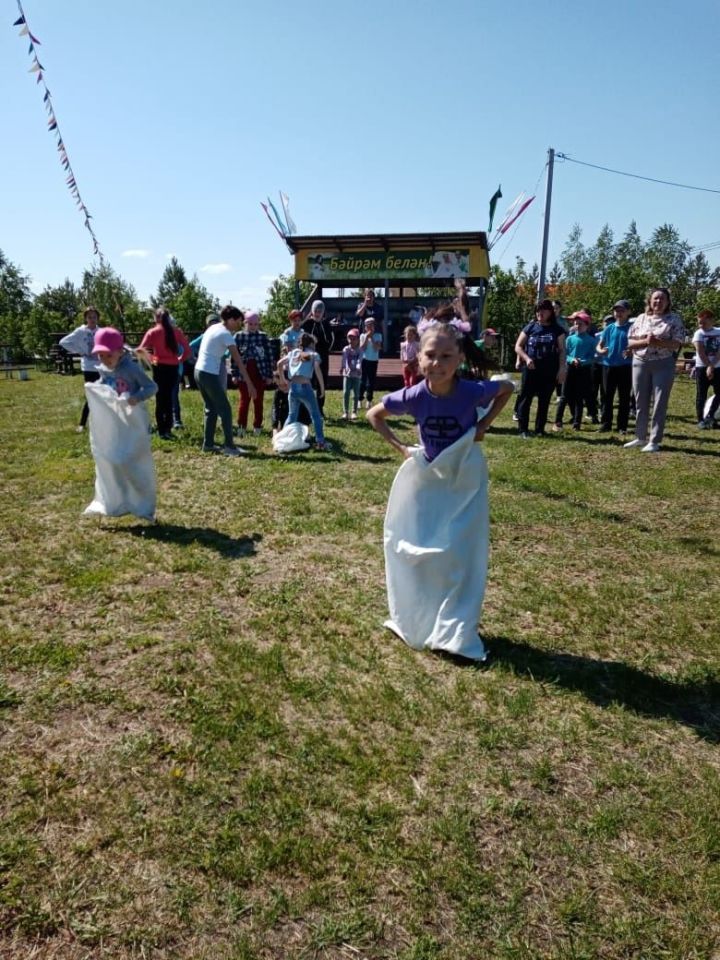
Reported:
(79, 429)
(633, 443)
(257, 432)
(353, 415)
(651, 448)
(240, 431)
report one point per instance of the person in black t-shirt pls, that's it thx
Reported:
(541, 348)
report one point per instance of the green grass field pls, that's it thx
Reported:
(211, 749)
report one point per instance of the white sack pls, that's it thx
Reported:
(120, 444)
(291, 438)
(709, 402)
(436, 549)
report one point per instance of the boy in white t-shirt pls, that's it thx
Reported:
(706, 340)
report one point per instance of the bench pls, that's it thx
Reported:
(9, 369)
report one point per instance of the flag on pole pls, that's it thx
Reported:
(508, 222)
(285, 201)
(267, 214)
(493, 203)
(283, 228)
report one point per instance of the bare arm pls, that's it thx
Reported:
(520, 345)
(237, 359)
(506, 390)
(280, 370)
(562, 370)
(377, 416)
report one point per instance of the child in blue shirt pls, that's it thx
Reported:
(578, 387)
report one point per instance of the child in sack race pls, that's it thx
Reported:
(436, 525)
(120, 431)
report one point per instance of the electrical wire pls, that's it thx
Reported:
(713, 245)
(635, 176)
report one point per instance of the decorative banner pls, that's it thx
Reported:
(285, 201)
(504, 227)
(284, 228)
(267, 214)
(38, 69)
(378, 264)
(514, 212)
(278, 218)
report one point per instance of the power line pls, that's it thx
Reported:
(635, 176)
(713, 245)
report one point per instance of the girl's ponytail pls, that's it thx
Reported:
(163, 318)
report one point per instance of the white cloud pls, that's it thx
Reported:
(141, 254)
(268, 277)
(216, 268)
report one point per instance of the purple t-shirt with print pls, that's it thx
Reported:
(442, 420)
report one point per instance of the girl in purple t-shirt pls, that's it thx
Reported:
(436, 523)
(444, 406)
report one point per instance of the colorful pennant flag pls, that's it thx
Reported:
(38, 69)
(283, 228)
(507, 223)
(285, 202)
(267, 214)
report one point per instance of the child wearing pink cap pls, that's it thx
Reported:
(119, 370)
(119, 435)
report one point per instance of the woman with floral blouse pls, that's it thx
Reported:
(655, 338)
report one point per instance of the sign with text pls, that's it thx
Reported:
(379, 264)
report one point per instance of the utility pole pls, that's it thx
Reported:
(546, 225)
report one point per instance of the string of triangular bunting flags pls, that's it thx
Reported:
(38, 69)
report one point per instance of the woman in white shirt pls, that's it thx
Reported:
(211, 377)
(655, 338)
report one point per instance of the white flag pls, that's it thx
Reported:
(289, 222)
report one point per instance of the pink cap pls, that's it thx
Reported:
(107, 339)
(354, 332)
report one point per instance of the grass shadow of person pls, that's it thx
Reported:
(230, 547)
(693, 703)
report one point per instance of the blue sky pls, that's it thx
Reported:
(394, 116)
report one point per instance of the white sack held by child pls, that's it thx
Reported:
(436, 549)
(120, 444)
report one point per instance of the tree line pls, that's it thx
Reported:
(592, 276)
(596, 276)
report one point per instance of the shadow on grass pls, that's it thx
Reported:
(694, 703)
(691, 452)
(588, 510)
(231, 547)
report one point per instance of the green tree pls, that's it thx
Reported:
(172, 282)
(15, 303)
(191, 305)
(509, 307)
(281, 300)
(114, 298)
(55, 310)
